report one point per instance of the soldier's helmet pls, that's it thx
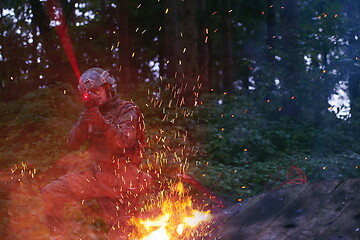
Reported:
(94, 78)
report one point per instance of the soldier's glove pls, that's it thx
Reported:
(94, 119)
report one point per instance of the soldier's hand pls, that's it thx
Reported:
(92, 117)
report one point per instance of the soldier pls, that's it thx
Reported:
(114, 129)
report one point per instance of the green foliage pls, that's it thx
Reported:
(34, 127)
(246, 144)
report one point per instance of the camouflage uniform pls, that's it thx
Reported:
(115, 179)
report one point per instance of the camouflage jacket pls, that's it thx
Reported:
(124, 138)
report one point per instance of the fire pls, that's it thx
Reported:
(173, 217)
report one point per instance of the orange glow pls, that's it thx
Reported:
(176, 218)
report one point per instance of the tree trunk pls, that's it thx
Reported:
(34, 70)
(352, 14)
(2, 62)
(354, 96)
(289, 26)
(47, 35)
(190, 76)
(68, 9)
(271, 34)
(228, 76)
(124, 46)
(172, 38)
(204, 55)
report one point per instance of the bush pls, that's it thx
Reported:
(34, 127)
(250, 146)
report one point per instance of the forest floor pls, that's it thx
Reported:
(21, 206)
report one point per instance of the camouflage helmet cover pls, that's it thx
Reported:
(94, 78)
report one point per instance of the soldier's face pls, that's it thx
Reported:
(100, 95)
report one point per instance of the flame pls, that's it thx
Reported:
(176, 217)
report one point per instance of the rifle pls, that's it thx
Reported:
(89, 102)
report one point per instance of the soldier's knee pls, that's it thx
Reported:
(53, 194)
(47, 196)
(46, 192)
(145, 182)
(147, 178)
(49, 202)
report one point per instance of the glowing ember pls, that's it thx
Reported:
(175, 218)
